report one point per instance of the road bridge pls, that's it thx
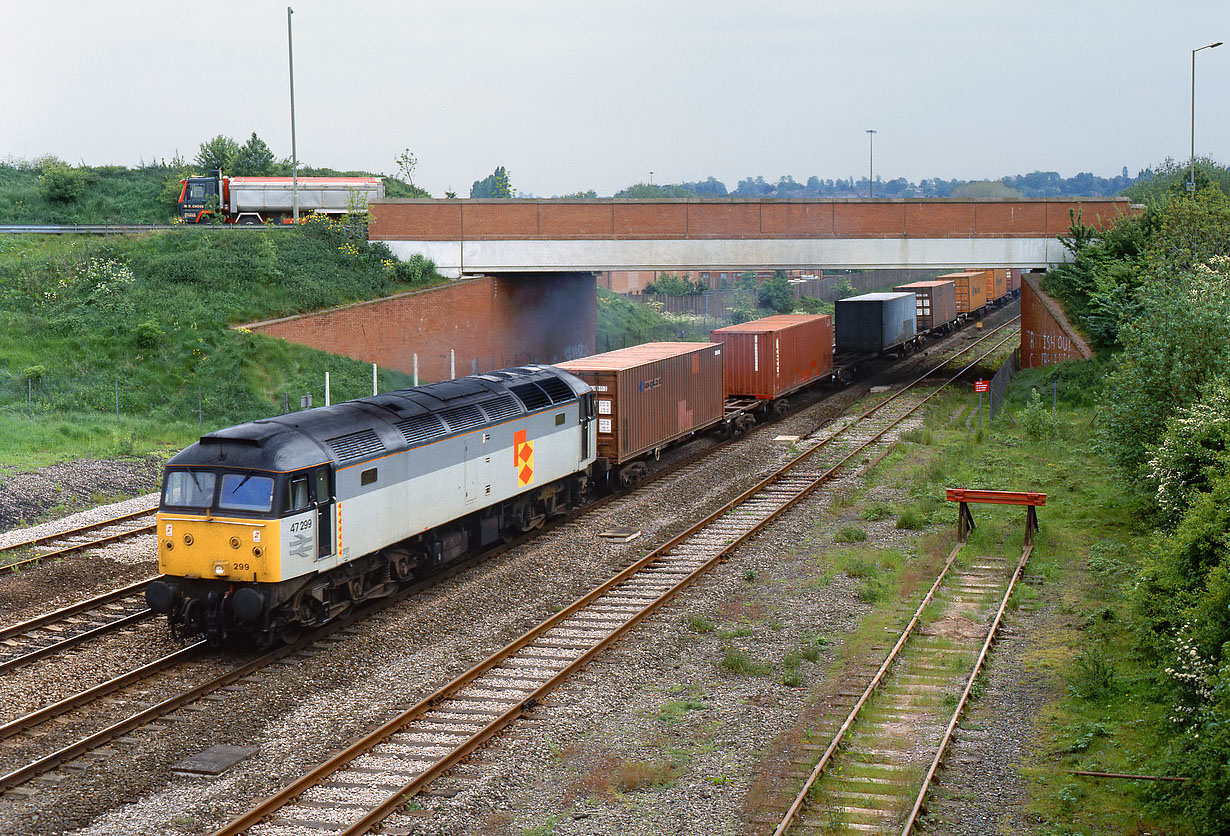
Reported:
(544, 236)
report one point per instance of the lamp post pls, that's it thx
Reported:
(871, 137)
(294, 153)
(1191, 175)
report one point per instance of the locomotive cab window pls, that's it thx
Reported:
(297, 495)
(189, 488)
(559, 420)
(368, 477)
(323, 494)
(246, 492)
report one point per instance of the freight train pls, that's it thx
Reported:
(282, 524)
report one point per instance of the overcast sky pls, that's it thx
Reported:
(577, 94)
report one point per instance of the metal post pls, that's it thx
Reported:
(416, 369)
(980, 410)
(871, 136)
(294, 150)
(1191, 175)
(326, 388)
(452, 364)
(375, 389)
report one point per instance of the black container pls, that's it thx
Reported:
(874, 322)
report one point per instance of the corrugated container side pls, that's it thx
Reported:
(648, 396)
(1000, 278)
(971, 289)
(874, 321)
(770, 357)
(1014, 279)
(935, 302)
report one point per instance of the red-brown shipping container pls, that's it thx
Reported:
(935, 302)
(646, 396)
(1014, 279)
(770, 357)
(971, 289)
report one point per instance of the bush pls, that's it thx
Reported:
(1193, 449)
(911, 519)
(739, 662)
(61, 183)
(1037, 421)
(850, 534)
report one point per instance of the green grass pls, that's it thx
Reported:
(1103, 713)
(148, 319)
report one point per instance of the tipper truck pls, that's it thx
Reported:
(256, 200)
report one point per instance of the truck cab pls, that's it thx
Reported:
(199, 197)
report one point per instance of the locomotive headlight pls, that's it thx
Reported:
(219, 569)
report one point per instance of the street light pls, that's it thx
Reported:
(1191, 175)
(871, 137)
(294, 153)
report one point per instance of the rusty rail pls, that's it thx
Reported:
(969, 686)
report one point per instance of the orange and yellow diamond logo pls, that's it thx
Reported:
(523, 458)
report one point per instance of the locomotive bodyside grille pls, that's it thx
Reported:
(461, 418)
(357, 445)
(421, 429)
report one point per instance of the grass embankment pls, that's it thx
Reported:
(49, 191)
(148, 320)
(1099, 708)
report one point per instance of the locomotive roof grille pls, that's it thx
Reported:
(557, 390)
(501, 408)
(357, 445)
(531, 395)
(422, 428)
(461, 418)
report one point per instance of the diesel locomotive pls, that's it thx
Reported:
(281, 524)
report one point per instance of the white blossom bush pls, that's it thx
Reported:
(1194, 445)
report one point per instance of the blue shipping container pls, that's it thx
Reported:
(874, 321)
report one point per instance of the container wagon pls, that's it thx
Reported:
(971, 290)
(935, 305)
(647, 397)
(767, 359)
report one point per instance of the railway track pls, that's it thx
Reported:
(68, 627)
(79, 538)
(21, 728)
(366, 782)
(870, 778)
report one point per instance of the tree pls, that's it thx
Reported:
(252, 159)
(494, 185)
(406, 163)
(985, 188)
(776, 293)
(219, 153)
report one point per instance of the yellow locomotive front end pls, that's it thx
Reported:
(219, 550)
(223, 548)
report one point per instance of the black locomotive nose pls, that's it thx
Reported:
(161, 596)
